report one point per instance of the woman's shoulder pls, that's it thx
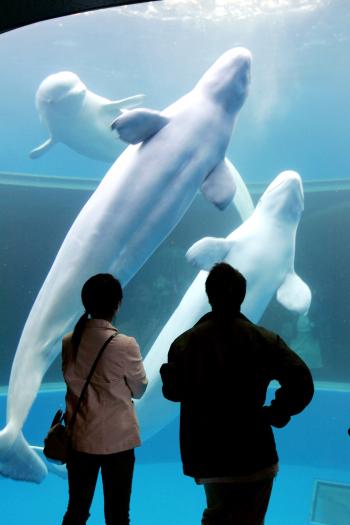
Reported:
(127, 345)
(126, 340)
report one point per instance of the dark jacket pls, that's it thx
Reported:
(219, 370)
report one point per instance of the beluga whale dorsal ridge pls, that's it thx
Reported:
(77, 117)
(140, 200)
(263, 249)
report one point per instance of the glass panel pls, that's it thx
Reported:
(295, 117)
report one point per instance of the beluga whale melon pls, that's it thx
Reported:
(140, 200)
(263, 250)
(78, 118)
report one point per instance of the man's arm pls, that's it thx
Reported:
(172, 372)
(296, 382)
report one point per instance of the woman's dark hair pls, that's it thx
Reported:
(101, 295)
(225, 287)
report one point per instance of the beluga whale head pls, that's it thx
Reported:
(228, 79)
(284, 197)
(62, 93)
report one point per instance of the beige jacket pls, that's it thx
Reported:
(106, 422)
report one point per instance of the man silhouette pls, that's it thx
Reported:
(219, 371)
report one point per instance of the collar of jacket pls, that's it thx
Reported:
(101, 323)
(230, 316)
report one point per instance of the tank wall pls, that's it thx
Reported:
(150, 298)
(316, 438)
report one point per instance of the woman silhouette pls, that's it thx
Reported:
(106, 430)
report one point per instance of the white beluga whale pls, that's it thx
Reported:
(78, 118)
(267, 263)
(263, 250)
(140, 200)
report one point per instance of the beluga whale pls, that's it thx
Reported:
(78, 118)
(268, 261)
(144, 194)
(262, 248)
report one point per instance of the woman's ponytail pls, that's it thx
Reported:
(78, 332)
(101, 296)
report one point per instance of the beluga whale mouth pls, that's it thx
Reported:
(229, 77)
(64, 89)
(288, 177)
(284, 195)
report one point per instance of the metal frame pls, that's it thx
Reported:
(321, 484)
(18, 13)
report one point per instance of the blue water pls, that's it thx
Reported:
(313, 447)
(297, 116)
(161, 495)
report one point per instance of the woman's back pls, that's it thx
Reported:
(106, 422)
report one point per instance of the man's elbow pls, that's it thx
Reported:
(171, 394)
(303, 393)
(309, 388)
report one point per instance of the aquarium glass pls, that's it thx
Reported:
(296, 117)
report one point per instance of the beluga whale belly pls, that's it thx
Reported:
(140, 200)
(78, 118)
(263, 250)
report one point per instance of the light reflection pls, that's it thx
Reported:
(220, 9)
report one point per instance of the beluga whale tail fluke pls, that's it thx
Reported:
(23, 462)
(18, 460)
(173, 154)
(78, 118)
(52, 468)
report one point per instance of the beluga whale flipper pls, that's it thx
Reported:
(78, 118)
(143, 196)
(263, 249)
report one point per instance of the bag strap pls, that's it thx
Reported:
(74, 415)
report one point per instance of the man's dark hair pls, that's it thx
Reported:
(225, 287)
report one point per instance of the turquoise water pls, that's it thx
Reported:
(313, 448)
(162, 495)
(296, 117)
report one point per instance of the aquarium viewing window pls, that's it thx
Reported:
(287, 148)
